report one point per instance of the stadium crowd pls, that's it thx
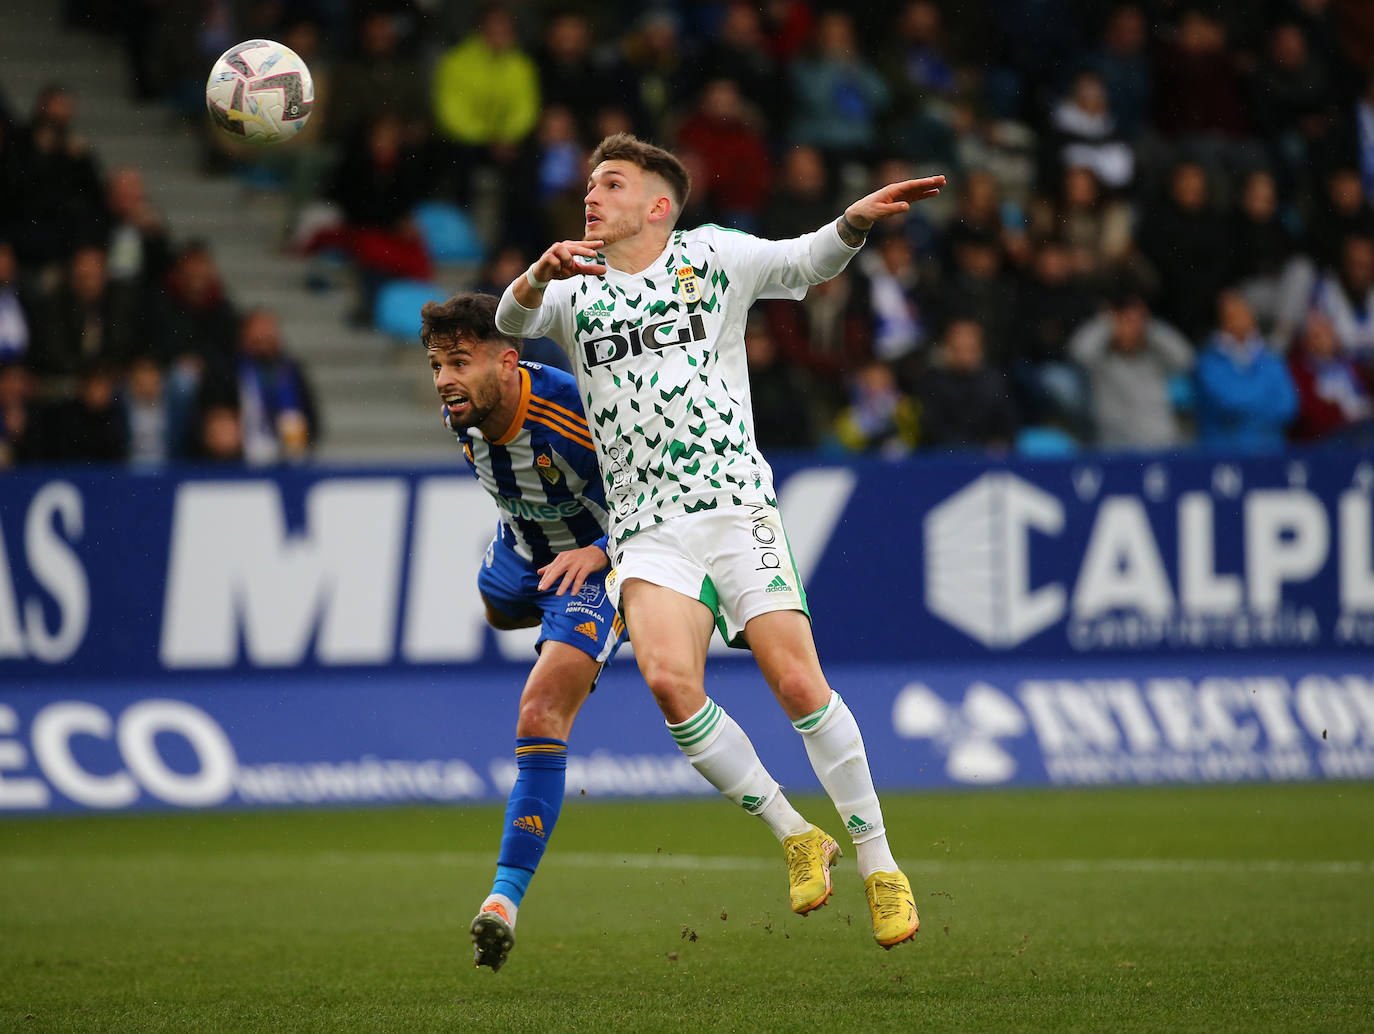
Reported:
(1158, 231)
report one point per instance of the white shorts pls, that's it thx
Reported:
(736, 561)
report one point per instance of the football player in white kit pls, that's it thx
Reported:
(653, 318)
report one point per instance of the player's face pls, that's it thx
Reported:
(618, 201)
(467, 376)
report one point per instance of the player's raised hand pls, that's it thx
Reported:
(891, 200)
(566, 259)
(570, 569)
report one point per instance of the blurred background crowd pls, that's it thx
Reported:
(1157, 232)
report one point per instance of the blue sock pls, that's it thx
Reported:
(531, 812)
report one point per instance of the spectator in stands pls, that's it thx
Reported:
(980, 289)
(1333, 393)
(965, 403)
(572, 75)
(1267, 268)
(838, 98)
(1189, 246)
(376, 77)
(379, 180)
(195, 325)
(218, 435)
(1051, 303)
(783, 403)
(1122, 61)
(1292, 105)
(738, 171)
(1130, 357)
(1095, 228)
(880, 417)
(1344, 210)
(1086, 135)
(58, 189)
(15, 332)
(660, 66)
(135, 235)
(275, 402)
(802, 199)
(916, 60)
(1199, 91)
(16, 413)
(551, 183)
(1245, 395)
(87, 426)
(826, 334)
(486, 101)
(739, 53)
(88, 320)
(1346, 297)
(148, 415)
(897, 303)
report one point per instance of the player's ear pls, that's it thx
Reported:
(661, 209)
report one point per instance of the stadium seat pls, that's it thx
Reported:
(1043, 441)
(396, 309)
(449, 234)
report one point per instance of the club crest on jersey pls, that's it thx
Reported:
(687, 284)
(548, 470)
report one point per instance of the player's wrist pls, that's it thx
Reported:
(851, 234)
(857, 223)
(534, 281)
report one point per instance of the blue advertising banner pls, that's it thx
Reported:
(356, 739)
(204, 639)
(110, 575)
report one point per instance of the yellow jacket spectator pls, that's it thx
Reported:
(486, 90)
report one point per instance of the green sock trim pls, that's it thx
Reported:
(808, 722)
(696, 729)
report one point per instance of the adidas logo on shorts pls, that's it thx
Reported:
(777, 585)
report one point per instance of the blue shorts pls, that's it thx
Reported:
(586, 619)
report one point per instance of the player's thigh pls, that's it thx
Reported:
(785, 652)
(586, 620)
(504, 584)
(671, 632)
(557, 687)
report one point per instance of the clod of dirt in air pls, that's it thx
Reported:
(1025, 943)
(689, 934)
(723, 916)
(946, 929)
(672, 956)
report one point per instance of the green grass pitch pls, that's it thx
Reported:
(1174, 909)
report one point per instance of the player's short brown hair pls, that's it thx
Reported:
(626, 147)
(466, 317)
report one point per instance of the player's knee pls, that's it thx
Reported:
(801, 688)
(670, 684)
(546, 715)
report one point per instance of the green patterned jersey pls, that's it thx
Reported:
(660, 364)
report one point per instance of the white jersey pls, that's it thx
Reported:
(660, 365)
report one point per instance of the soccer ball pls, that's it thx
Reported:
(260, 91)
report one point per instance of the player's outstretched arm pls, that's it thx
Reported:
(560, 261)
(859, 217)
(570, 569)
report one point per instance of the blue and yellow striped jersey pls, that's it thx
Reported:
(542, 472)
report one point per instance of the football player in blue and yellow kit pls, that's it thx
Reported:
(525, 437)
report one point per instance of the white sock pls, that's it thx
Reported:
(718, 748)
(510, 906)
(836, 749)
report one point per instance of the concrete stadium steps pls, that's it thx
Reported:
(374, 394)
